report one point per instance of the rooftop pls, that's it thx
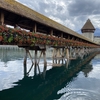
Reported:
(17, 13)
(88, 25)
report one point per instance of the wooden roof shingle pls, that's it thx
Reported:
(88, 25)
(20, 9)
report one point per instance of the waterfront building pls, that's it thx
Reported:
(97, 39)
(88, 31)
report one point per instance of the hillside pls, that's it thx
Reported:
(97, 32)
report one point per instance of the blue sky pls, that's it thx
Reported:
(70, 13)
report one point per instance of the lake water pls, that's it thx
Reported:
(77, 80)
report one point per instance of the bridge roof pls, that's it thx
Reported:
(25, 12)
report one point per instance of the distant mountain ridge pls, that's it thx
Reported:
(96, 33)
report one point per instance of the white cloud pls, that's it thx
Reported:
(72, 14)
(96, 72)
(56, 19)
(95, 20)
(69, 24)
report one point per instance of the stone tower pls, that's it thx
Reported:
(88, 30)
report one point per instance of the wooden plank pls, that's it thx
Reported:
(56, 65)
(1, 18)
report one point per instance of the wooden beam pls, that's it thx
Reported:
(51, 32)
(25, 62)
(73, 38)
(35, 63)
(1, 18)
(61, 35)
(68, 36)
(34, 28)
(44, 56)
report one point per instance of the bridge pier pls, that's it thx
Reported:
(71, 53)
(44, 56)
(81, 52)
(86, 51)
(34, 61)
(77, 51)
(58, 56)
(25, 61)
(67, 53)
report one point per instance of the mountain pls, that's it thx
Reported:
(79, 31)
(96, 33)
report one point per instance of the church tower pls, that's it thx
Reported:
(88, 30)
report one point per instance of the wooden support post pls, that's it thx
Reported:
(30, 69)
(35, 28)
(39, 69)
(35, 63)
(76, 52)
(88, 50)
(51, 32)
(81, 52)
(44, 56)
(25, 62)
(58, 55)
(27, 52)
(44, 71)
(67, 63)
(1, 18)
(67, 53)
(54, 55)
(25, 59)
(61, 35)
(70, 51)
(25, 71)
(63, 55)
(30, 57)
(38, 62)
(85, 51)
(39, 58)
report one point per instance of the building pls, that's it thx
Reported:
(88, 31)
(97, 39)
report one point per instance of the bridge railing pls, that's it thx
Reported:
(10, 36)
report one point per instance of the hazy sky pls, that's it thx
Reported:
(70, 13)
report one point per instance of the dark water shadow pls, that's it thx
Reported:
(39, 88)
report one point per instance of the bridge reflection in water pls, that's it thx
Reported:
(45, 85)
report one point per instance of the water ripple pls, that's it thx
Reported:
(78, 94)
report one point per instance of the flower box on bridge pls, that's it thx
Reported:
(9, 36)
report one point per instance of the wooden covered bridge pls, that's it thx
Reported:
(34, 31)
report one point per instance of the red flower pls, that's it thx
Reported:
(1, 38)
